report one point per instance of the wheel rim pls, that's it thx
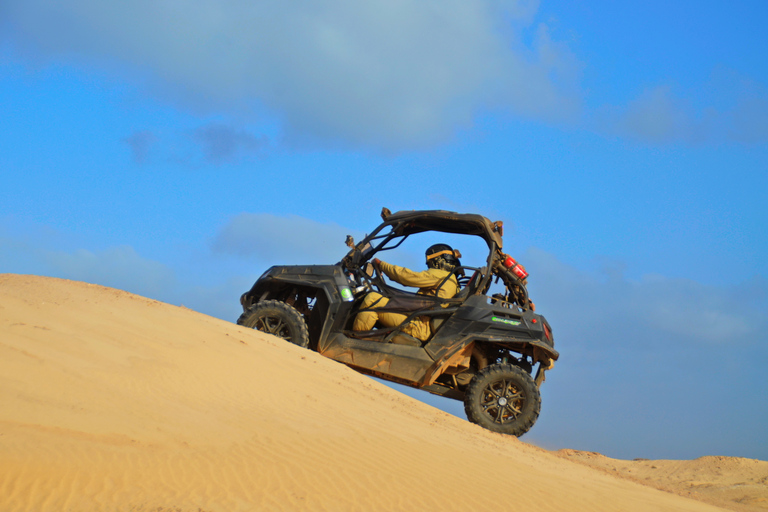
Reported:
(502, 401)
(274, 325)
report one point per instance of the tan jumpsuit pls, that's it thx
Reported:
(427, 282)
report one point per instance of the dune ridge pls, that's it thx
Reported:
(111, 401)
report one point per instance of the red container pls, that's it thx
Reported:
(518, 269)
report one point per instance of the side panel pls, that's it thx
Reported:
(403, 363)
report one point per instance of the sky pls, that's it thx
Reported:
(178, 149)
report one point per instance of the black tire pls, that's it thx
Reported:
(279, 319)
(503, 398)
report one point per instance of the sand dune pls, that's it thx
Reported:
(110, 401)
(730, 482)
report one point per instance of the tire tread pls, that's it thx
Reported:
(531, 408)
(276, 307)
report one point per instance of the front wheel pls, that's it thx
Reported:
(503, 398)
(277, 318)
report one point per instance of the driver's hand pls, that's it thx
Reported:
(376, 262)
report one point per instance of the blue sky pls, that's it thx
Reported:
(178, 149)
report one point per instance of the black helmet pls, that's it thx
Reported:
(441, 256)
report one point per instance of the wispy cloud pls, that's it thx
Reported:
(221, 143)
(282, 240)
(214, 143)
(728, 108)
(655, 116)
(118, 267)
(141, 143)
(654, 312)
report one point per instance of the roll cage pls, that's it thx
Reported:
(397, 227)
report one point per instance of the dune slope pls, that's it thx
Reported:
(110, 401)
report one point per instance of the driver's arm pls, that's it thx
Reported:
(408, 277)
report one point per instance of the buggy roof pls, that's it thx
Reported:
(409, 222)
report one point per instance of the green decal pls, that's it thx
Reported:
(346, 294)
(505, 320)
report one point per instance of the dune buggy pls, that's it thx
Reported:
(487, 348)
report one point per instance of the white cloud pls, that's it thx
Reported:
(386, 73)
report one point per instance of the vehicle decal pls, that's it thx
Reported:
(346, 294)
(505, 320)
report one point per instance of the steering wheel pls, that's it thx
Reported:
(370, 282)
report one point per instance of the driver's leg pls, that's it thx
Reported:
(365, 320)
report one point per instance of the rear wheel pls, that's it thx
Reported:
(503, 398)
(279, 319)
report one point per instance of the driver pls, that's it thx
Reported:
(441, 261)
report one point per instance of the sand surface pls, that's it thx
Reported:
(114, 402)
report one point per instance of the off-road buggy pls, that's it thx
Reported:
(483, 347)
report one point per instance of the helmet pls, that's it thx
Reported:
(442, 257)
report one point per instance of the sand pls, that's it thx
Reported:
(114, 402)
